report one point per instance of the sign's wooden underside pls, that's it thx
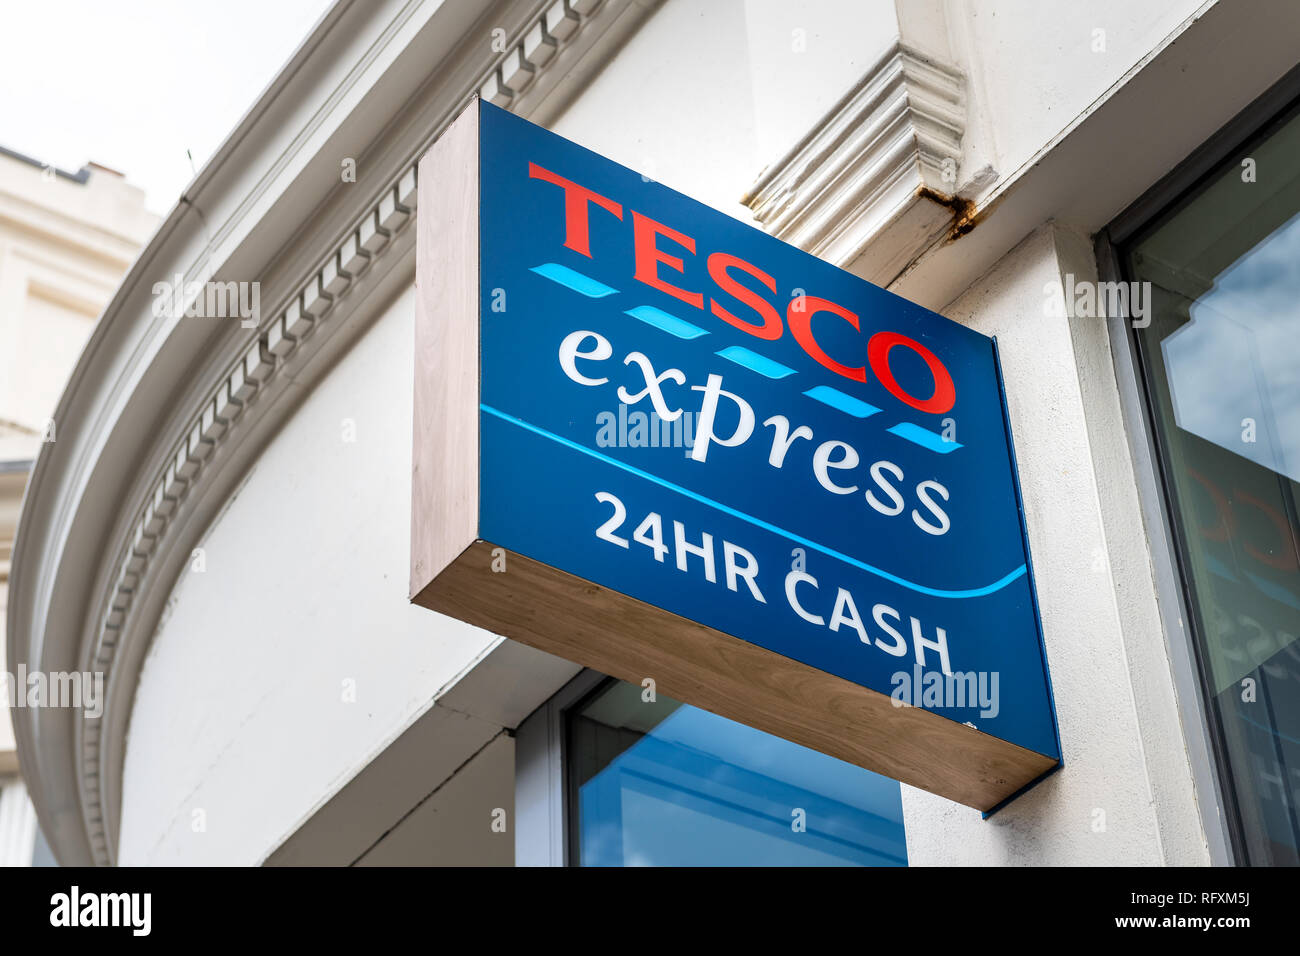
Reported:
(575, 619)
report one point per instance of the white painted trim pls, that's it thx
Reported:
(541, 819)
(1144, 125)
(885, 154)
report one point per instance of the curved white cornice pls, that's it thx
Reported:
(164, 415)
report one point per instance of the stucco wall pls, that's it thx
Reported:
(1124, 796)
(240, 711)
(1034, 69)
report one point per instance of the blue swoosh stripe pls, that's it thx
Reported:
(755, 362)
(926, 439)
(845, 403)
(574, 280)
(758, 522)
(666, 322)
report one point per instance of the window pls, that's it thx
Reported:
(18, 826)
(1220, 367)
(657, 782)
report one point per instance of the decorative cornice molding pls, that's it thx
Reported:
(272, 354)
(524, 67)
(518, 79)
(850, 189)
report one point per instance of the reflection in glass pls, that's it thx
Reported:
(1222, 364)
(660, 783)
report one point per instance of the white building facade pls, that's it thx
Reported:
(222, 526)
(66, 240)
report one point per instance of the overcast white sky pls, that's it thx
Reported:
(133, 84)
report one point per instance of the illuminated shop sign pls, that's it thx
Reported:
(712, 461)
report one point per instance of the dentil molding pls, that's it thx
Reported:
(519, 78)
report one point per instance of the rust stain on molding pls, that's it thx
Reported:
(965, 215)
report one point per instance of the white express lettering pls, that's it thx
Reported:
(708, 413)
(652, 387)
(569, 355)
(922, 492)
(822, 462)
(884, 493)
(783, 438)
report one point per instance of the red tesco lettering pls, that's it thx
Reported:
(660, 250)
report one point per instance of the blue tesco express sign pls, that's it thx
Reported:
(680, 408)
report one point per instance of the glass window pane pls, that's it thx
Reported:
(664, 784)
(1222, 364)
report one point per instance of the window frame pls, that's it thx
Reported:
(1221, 817)
(542, 835)
(546, 793)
